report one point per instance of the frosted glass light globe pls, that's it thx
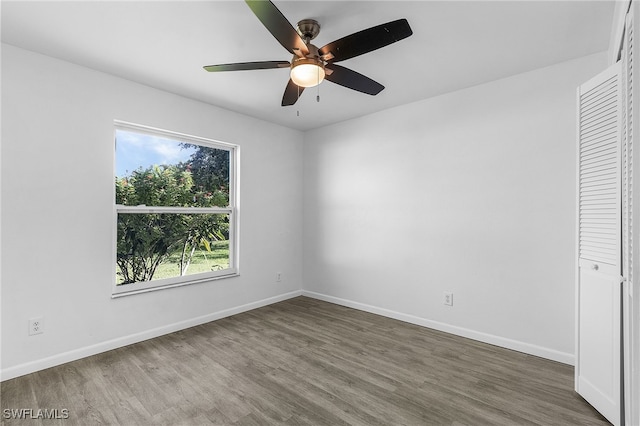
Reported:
(307, 74)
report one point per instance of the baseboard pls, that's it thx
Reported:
(52, 361)
(540, 351)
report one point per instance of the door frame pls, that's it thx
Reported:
(623, 16)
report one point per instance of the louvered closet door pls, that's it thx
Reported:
(598, 354)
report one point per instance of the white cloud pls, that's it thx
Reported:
(169, 152)
(136, 150)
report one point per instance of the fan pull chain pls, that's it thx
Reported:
(318, 86)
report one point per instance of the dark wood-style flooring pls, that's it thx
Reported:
(305, 362)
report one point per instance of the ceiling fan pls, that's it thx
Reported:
(310, 65)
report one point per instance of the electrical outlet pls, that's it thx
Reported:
(278, 276)
(448, 298)
(36, 326)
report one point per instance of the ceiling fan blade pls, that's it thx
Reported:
(291, 93)
(278, 26)
(243, 66)
(366, 41)
(353, 80)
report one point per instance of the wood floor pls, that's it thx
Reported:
(305, 362)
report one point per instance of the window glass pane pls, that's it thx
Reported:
(153, 246)
(158, 171)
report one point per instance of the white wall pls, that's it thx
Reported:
(57, 180)
(471, 192)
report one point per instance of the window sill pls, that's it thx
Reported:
(121, 291)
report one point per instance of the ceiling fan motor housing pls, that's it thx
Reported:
(308, 29)
(313, 54)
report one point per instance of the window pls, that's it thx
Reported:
(175, 209)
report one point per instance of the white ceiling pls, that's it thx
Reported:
(165, 44)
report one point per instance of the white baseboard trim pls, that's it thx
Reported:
(52, 361)
(554, 355)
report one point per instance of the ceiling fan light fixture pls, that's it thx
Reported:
(307, 72)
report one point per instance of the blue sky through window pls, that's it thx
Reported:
(135, 150)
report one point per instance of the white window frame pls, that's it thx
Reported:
(231, 210)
